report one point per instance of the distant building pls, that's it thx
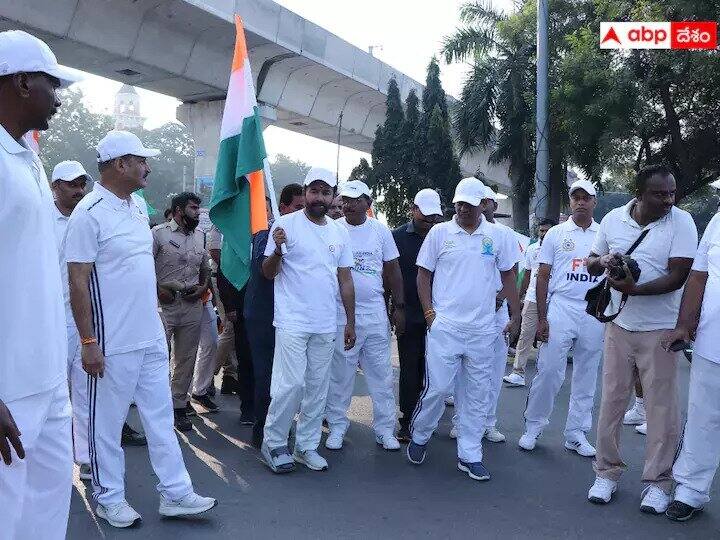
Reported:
(127, 109)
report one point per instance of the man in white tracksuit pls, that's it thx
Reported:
(375, 256)
(457, 266)
(69, 180)
(109, 250)
(35, 416)
(697, 462)
(562, 282)
(309, 257)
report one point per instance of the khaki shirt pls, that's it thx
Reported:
(178, 260)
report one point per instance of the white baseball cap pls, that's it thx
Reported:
(428, 201)
(21, 52)
(715, 184)
(122, 143)
(493, 195)
(318, 173)
(354, 189)
(470, 190)
(583, 184)
(68, 171)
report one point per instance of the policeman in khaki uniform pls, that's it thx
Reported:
(183, 276)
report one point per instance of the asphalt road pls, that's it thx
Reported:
(370, 493)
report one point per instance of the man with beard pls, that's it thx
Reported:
(182, 278)
(562, 282)
(69, 180)
(36, 476)
(336, 208)
(310, 273)
(113, 293)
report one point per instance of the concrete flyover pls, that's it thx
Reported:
(305, 76)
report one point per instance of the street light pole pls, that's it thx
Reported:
(541, 201)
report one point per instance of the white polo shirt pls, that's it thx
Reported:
(60, 222)
(707, 260)
(464, 267)
(566, 248)
(114, 234)
(531, 265)
(306, 289)
(372, 245)
(33, 342)
(502, 316)
(675, 235)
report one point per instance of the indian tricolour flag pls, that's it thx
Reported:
(237, 207)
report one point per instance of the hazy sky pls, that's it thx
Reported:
(410, 32)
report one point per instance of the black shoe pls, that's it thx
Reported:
(182, 422)
(212, 390)
(247, 418)
(679, 511)
(189, 410)
(130, 437)
(404, 435)
(206, 402)
(257, 439)
(229, 386)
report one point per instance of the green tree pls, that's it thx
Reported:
(363, 172)
(285, 170)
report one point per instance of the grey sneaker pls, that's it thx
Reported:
(311, 459)
(190, 505)
(118, 515)
(85, 473)
(278, 459)
(416, 453)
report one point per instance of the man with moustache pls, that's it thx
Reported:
(183, 277)
(633, 340)
(35, 446)
(310, 273)
(336, 208)
(113, 293)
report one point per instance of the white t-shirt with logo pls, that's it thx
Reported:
(114, 234)
(707, 260)
(464, 267)
(566, 248)
(531, 265)
(307, 287)
(372, 245)
(502, 316)
(33, 338)
(675, 235)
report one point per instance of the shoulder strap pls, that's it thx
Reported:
(637, 242)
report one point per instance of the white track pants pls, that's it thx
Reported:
(300, 377)
(78, 397)
(569, 325)
(699, 456)
(142, 376)
(35, 491)
(470, 357)
(500, 350)
(207, 352)
(372, 353)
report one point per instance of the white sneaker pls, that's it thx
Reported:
(635, 416)
(641, 429)
(190, 505)
(388, 442)
(514, 380)
(654, 500)
(450, 401)
(453, 432)
(528, 441)
(493, 435)
(580, 444)
(334, 440)
(602, 490)
(118, 515)
(311, 459)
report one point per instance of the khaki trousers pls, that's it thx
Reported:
(182, 328)
(528, 328)
(625, 350)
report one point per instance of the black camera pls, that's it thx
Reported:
(617, 271)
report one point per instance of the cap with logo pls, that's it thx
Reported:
(67, 171)
(354, 189)
(583, 184)
(428, 201)
(318, 173)
(21, 52)
(122, 143)
(470, 190)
